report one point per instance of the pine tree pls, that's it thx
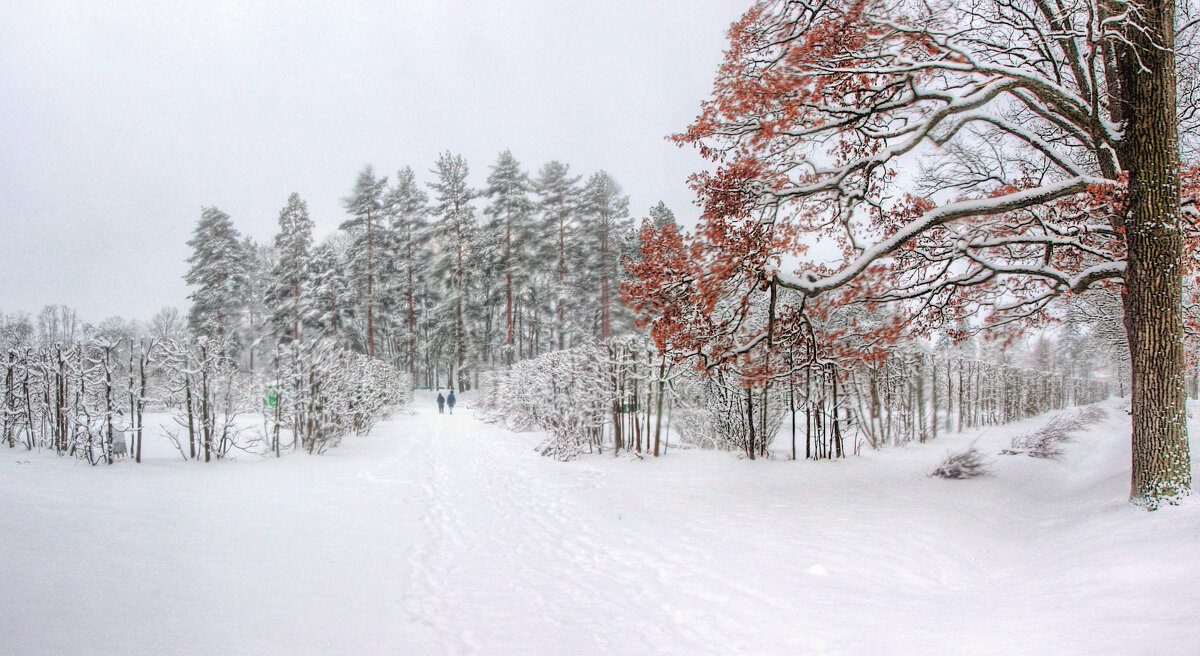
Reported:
(328, 310)
(260, 263)
(364, 204)
(661, 215)
(455, 231)
(510, 231)
(290, 276)
(483, 314)
(406, 207)
(218, 273)
(558, 198)
(607, 233)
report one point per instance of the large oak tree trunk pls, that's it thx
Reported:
(1153, 280)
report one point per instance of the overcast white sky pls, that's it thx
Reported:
(119, 120)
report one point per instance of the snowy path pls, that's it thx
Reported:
(441, 535)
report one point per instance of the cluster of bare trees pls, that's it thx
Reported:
(623, 395)
(830, 409)
(76, 399)
(206, 394)
(323, 392)
(727, 414)
(910, 397)
(89, 397)
(609, 395)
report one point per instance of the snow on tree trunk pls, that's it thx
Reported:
(1153, 276)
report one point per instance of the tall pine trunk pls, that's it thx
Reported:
(562, 280)
(508, 290)
(370, 292)
(460, 281)
(605, 300)
(412, 314)
(296, 306)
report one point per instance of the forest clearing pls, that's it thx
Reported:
(438, 534)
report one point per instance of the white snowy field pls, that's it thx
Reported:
(438, 534)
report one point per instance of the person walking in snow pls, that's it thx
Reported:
(442, 403)
(450, 401)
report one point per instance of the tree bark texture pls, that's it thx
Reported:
(1153, 295)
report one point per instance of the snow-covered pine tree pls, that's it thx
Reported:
(606, 231)
(261, 262)
(328, 309)
(455, 232)
(364, 204)
(433, 336)
(290, 277)
(484, 314)
(511, 230)
(406, 206)
(661, 215)
(557, 203)
(218, 273)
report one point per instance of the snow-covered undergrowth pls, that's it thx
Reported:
(964, 464)
(1050, 440)
(438, 534)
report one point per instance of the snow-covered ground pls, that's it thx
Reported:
(437, 534)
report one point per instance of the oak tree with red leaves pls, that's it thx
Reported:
(970, 160)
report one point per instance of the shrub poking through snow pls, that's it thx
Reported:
(1047, 442)
(966, 464)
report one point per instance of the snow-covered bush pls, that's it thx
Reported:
(965, 464)
(693, 417)
(622, 394)
(566, 393)
(734, 415)
(403, 388)
(612, 394)
(326, 392)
